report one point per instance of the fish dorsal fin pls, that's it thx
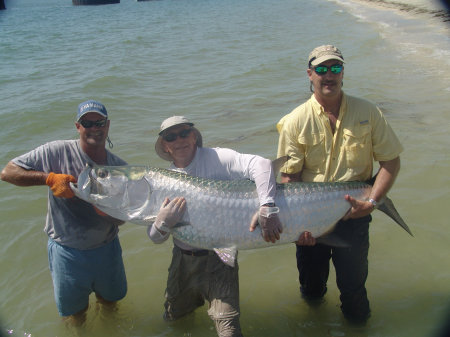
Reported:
(278, 163)
(333, 240)
(227, 255)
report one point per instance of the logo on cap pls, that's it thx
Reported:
(91, 106)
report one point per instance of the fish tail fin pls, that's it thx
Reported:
(387, 207)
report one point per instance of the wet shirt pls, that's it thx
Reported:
(362, 135)
(227, 164)
(70, 222)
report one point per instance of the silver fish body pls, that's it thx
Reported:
(218, 211)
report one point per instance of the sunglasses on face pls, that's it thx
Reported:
(89, 124)
(335, 69)
(171, 137)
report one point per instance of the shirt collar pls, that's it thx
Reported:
(319, 108)
(190, 168)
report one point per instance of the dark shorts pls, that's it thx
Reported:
(77, 273)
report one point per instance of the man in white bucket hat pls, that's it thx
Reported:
(181, 143)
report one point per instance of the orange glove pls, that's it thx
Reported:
(59, 184)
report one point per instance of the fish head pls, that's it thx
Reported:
(114, 189)
(106, 185)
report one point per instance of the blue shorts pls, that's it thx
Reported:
(77, 273)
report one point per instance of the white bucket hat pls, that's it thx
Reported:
(171, 122)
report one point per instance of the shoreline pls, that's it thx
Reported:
(437, 12)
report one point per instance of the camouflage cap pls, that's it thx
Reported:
(324, 53)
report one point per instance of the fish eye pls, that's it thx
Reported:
(102, 173)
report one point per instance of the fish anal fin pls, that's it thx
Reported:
(227, 255)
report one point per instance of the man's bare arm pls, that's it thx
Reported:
(17, 175)
(385, 180)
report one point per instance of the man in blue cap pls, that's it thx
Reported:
(84, 251)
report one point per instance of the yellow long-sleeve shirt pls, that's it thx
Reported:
(362, 135)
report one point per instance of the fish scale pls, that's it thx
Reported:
(218, 212)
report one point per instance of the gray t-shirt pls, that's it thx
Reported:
(70, 222)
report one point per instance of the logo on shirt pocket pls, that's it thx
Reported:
(357, 146)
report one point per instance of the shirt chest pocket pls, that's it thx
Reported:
(357, 145)
(315, 152)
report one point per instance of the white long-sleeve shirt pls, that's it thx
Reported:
(226, 164)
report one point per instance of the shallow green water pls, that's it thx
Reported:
(234, 67)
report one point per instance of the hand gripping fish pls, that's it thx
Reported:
(219, 212)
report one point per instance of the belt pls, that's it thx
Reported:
(202, 252)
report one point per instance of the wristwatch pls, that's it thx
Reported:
(374, 203)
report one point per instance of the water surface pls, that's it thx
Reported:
(235, 68)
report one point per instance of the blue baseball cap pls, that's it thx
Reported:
(91, 106)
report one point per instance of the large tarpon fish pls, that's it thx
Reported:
(219, 212)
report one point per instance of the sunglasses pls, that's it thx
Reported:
(171, 137)
(89, 124)
(335, 69)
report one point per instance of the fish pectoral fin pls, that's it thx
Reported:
(150, 219)
(167, 229)
(74, 188)
(227, 255)
(332, 239)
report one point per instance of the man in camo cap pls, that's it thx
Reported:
(335, 137)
